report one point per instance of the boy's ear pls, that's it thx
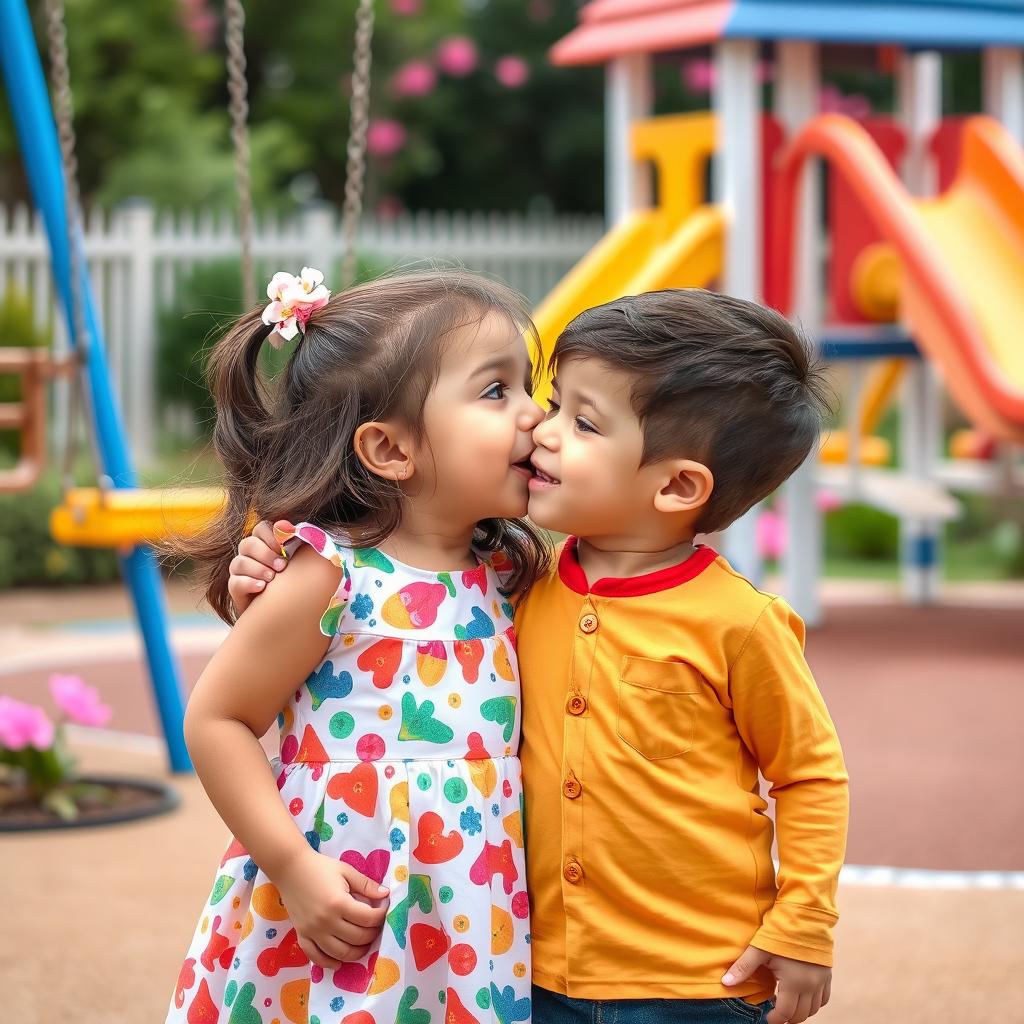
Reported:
(384, 449)
(686, 487)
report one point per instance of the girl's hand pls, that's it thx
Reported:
(803, 988)
(258, 561)
(337, 911)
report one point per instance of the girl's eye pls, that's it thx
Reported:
(495, 391)
(584, 427)
(553, 407)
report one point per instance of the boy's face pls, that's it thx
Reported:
(589, 478)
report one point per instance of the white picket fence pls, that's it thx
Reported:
(137, 259)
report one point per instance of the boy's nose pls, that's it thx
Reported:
(545, 435)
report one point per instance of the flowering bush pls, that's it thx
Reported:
(35, 764)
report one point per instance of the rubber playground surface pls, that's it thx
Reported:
(928, 703)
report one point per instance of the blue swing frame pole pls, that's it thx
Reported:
(33, 118)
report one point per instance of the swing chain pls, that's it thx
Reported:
(63, 103)
(238, 92)
(359, 111)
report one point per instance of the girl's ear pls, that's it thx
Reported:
(384, 449)
(687, 487)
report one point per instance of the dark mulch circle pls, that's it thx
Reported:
(130, 800)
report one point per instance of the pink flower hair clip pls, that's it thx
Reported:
(293, 300)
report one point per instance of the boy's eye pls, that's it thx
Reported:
(495, 391)
(553, 406)
(584, 427)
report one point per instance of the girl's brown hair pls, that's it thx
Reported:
(286, 444)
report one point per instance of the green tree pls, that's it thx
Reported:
(151, 105)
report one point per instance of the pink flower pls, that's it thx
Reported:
(200, 22)
(827, 501)
(771, 535)
(405, 8)
(417, 78)
(858, 106)
(457, 56)
(79, 702)
(512, 72)
(830, 100)
(385, 137)
(293, 300)
(699, 75)
(24, 725)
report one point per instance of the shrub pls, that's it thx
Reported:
(17, 330)
(28, 554)
(861, 532)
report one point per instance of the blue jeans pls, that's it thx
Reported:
(552, 1008)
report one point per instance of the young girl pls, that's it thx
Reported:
(376, 872)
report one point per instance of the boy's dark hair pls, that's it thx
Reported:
(719, 380)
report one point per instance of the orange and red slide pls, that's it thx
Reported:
(960, 256)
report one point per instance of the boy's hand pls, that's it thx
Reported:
(803, 988)
(259, 559)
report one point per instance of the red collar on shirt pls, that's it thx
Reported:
(571, 573)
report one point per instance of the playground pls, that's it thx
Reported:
(895, 237)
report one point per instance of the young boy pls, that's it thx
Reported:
(658, 682)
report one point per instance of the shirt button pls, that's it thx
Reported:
(573, 872)
(576, 705)
(588, 623)
(571, 787)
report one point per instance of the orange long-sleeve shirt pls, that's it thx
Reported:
(649, 706)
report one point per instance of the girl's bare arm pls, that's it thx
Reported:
(268, 653)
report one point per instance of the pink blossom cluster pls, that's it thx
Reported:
(456, 57)
(28, 725)
(772, 532)
(832, 101)
(24, 725)
(200, 22)
(699, 74)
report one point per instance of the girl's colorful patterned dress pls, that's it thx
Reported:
(398, 756)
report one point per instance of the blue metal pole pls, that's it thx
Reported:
(33, 119)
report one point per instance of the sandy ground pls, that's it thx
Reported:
(928, 703)
(95, 924)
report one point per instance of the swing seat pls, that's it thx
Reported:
(125, 518)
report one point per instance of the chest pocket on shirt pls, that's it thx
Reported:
(657, 706)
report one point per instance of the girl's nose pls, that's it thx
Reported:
(531, 416)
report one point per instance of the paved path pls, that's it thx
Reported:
(95, 924)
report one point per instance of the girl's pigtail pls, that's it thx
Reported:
(242, 417)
